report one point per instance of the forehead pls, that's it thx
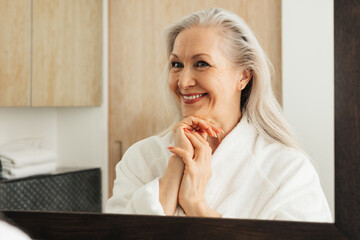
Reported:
(197, 40)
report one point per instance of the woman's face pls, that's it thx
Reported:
(203, 80)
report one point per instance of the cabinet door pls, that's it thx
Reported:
(15, 25)
(67, 53)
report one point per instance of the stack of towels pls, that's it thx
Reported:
(23, 160)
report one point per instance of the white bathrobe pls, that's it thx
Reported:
(251, 179)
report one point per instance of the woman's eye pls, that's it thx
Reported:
(202, 64)
(176, 65)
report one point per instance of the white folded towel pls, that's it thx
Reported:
(35, 169)
(21, 154)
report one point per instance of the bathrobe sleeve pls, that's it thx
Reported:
(136, 187)
(298, 195)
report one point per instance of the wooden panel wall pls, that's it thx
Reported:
(15, 42)
(67, 52)
(137, 57)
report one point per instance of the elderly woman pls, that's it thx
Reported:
(232, 154)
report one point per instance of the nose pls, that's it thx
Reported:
(186, 80)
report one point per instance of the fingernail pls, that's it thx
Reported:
(186, 130)
(170, 147)
(222, 131)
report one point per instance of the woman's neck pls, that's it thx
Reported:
(227, 125)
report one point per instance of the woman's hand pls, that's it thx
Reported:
(197, 173)
(169, 184)
(193, 124)
(204, 125)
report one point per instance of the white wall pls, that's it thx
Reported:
(308, 81)
(29, 123)
(79, 135)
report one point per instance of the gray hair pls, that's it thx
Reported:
(243, 49)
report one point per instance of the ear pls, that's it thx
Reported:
(244, 78)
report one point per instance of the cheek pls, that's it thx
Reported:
(172, 83)
(222, 86)
(213, 84)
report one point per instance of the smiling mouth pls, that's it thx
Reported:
(192, 98)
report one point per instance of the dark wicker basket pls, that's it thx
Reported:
(66, 190)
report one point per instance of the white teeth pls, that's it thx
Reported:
(193, 97)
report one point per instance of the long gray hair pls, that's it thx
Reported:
(242, 48)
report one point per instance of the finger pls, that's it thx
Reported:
(184, 155)
(194, 140)
(212, 124)
(215, 128)
(219, 139)
(200, 138)
(194, 123)
(177, 126)
(203, 134)
(207, 128)
(190, 121)
(202, 149)
(200, 124)
(181, 126)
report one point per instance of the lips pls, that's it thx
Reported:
(192, 97)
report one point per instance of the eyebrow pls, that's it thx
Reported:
(195, 56)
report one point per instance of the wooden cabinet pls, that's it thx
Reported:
(66, 69)
(58, 45)
(15, 48)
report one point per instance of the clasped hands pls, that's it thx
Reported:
(189, 169)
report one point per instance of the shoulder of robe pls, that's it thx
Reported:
(279, 162)
(148, 151)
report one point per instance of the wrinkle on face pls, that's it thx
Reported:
(219, 80)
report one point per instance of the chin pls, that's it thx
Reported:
(194, 113)
(188, 114)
